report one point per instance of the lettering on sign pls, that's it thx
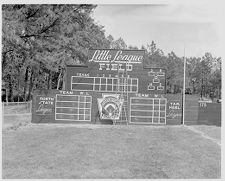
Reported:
(116, 56)
(66, 92)
(142, 95)
(83, 74)
(174, 109)
(202, 104)
(44, 105)
(172, 114)
(174, 105)
(120, 66)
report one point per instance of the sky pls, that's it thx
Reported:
(197, 27)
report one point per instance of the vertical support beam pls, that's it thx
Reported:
(184, 88)
(3, 109)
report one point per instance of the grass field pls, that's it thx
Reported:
(14, 121)
(107, 151)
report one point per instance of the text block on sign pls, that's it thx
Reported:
(148, 110)
(45, 105)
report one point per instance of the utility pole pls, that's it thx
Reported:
(184, 87)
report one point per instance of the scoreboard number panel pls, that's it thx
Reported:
(73, 107)
(104, 84)
(148, 110)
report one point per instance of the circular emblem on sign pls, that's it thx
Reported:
(110, 107)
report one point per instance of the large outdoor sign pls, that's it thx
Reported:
(93, 92)
(108, 69)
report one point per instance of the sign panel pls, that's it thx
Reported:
(110, 106)
(139, 80)
(76, 106)
(174, 109)
(148, 110)
(104, 84)
(73, 107)
(209, 113)
(61, 106)
(45, 105)
(156, 80)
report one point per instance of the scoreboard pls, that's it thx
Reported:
(140, 80)
(103, 84)
(108, 75)
(148, 110)
(73, 107)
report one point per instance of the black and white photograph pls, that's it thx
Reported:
(112, 89)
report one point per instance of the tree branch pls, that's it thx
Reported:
(4, 58)
(50, 26)
(32, 14)
(46, 28)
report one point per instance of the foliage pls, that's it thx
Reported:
(116, 44)
(39, 40)
(203, 74)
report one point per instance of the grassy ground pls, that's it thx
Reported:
(14, 121)
(212, 131)
(16, 114)
(105, 151)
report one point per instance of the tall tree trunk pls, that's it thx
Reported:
(3, 60)
(10, 89)
(31, 84)
(18, 81)
(18, 85)
(59, 79)
(50, 80)
(25, 82)
(4, 57)
(64, 77)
